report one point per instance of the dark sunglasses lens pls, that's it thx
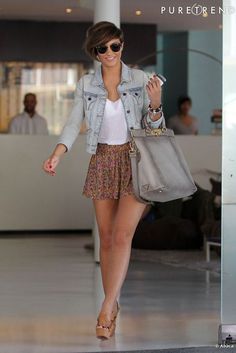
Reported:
(101, 50)
(115, 47)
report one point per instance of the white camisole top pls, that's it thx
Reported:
(114, 129)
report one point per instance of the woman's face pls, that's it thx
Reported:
(111, 58)
(185, 107)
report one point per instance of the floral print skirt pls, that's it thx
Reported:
(109, 174)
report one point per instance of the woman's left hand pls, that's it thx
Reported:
(154, 91)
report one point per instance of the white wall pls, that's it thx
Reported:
(204, 156)
(32, 200)
(205, 76)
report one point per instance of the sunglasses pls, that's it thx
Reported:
(115, 47)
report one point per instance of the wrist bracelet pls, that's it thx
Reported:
(155, 111)
(158, 118)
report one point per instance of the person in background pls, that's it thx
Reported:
(29, 121)
(183, 123)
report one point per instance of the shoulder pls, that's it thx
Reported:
(174, 118)
(137, 72)
(84, 81)
(194, 118)
(138, 75)
(86, 77)
(133, 73)
(17, 117)
(173, 121)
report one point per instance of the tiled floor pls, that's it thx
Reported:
(50, 294)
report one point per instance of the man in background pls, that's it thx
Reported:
(29, 121)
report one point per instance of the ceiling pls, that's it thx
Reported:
(82, 11)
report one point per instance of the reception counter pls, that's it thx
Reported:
(32, 200)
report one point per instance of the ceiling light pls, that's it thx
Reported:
(68, 10)
(138, 12)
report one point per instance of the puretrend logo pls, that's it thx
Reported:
(197, 10)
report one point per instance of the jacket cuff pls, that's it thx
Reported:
(154, 124)
(65, 143)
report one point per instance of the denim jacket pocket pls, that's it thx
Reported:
(90, 100)
(136, 94)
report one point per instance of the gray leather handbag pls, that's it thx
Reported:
(159, 169)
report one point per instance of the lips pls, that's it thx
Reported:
(110, 58)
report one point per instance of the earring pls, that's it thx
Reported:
(98, 58)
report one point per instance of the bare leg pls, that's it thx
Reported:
(105, 214)
(127, 217)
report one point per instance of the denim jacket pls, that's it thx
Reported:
(90, 100)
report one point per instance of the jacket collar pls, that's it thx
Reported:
(125, 75)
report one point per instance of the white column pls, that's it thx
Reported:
(107, 10)
(228, 258)
(104, 10)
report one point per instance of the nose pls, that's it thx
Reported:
(109, 51)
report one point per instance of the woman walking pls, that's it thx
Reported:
(113, 100)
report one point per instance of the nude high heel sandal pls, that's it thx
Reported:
(105, 328)
(115, 312)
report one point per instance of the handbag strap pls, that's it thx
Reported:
(133, 153)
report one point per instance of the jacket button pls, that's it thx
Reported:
(128, 111)
(89, 98)
(124, 94)
(136, 94)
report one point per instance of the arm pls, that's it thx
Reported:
(152, 96)
(45, 128)
(196, 132)
(73, 124)
(12, 129)
(69, 133)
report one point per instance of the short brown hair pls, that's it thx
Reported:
(99, 34)
(30, 94)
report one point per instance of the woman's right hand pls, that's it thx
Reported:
(50, 165)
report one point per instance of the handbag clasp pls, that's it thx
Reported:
(155, 132)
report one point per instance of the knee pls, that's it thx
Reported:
(105, 239)
(122, 237)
